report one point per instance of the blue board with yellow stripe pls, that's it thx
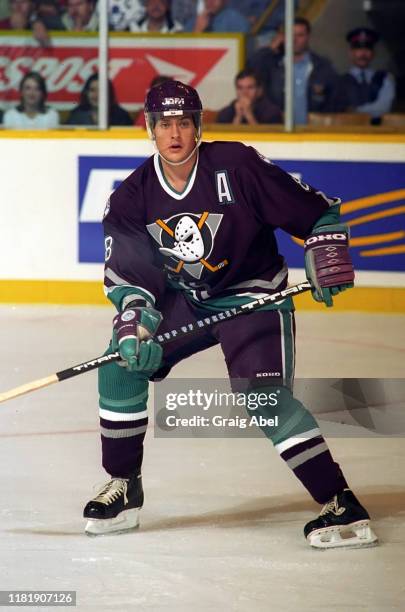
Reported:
(373, 205)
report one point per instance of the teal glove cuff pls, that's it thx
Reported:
(338, 228)
(133, 332)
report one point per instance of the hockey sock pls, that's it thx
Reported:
(123, 419)
(300, 443)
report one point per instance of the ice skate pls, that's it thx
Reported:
(116, 507)
(342, 522)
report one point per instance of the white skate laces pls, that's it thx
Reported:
(330, 532)
(112, 491)
(115, 508)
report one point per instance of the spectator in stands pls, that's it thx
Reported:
(184, 11)
(363, 89)
(4, 12)
(23, 16)
(254, 10)
(250, 106)
(314, 76)
(80, 16)
(157, 80)
(216, 16)
(50, 13)
(122, 12)
(32, 112)
(86, 113)
(157, 18)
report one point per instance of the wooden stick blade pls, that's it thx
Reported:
(28, 387)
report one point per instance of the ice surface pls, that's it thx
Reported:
(221, 528)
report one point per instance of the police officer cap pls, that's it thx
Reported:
(362, 37)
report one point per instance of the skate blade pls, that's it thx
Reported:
(125, 521)
(355, 535)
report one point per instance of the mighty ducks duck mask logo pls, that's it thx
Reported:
(188, 239)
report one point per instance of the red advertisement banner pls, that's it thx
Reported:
(132, 65)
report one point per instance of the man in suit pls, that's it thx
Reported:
(314, 75)
(363, 89)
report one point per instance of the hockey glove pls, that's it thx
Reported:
(133, 331)
(328, 265)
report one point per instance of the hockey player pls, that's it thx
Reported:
(192, 231)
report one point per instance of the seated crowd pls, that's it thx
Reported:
(164, 16)
(259, 87)
(317, 86)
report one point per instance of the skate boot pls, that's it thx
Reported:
(116, 507)
(342, 522)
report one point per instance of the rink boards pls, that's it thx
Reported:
(57, 184)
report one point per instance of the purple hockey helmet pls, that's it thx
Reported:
(171, 99)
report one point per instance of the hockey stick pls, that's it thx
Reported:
(185, 330)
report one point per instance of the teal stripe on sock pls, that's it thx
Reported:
(293, 418)
(285, 431)
(125, 405)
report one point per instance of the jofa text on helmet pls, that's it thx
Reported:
(172, 101)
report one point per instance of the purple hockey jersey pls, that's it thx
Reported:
(216, 238)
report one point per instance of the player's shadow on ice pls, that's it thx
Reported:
(381, 502)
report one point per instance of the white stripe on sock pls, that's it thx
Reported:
(109, 415)
(290, 442)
